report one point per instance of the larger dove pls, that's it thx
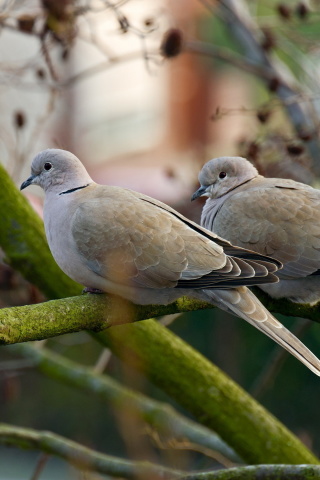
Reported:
(119, 241)
(272, 216)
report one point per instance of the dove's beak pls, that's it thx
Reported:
(200, 192)
(27, 182)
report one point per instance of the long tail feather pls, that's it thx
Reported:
(243, 303)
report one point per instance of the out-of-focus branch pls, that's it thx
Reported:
(161, 417)
(82, 457)
(269, 68)
(226, 55)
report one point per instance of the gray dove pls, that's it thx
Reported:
(122, 242)
(271, 216)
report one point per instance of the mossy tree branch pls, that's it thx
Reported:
(88, 312)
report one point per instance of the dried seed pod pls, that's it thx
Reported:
(171, 45)
(284, 11)
(41, 74)
(26, 23)
(305, 136)
(19, 119)
(302, 10)
(268, 42)
(124, 23)
(263, 115)
(274, 84)
(149, 22)
(253, 151)
(295, 149)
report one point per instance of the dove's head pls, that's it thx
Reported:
(57, 171)
(220, 175)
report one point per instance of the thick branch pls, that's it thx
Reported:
(81, 457)
(98, 312)
(87, 312)
(160, 416)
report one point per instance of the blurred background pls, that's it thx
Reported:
(144, 93)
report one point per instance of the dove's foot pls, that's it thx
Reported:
(92, 290)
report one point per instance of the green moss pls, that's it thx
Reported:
(205, 391)
(24, 242)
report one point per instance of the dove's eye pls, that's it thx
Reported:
(47, 166)
(222, 174)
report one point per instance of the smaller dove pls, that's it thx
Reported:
(271, 216)
(115, 240)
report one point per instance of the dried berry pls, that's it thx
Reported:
(41, 74)
(302, 10)
(65, 54)
(169, 172)
(26, 23)
(149, 22)
(124, 23)
(274, 84)
(305, 136)
(268, 42)
(171, 45)
(294, 149)
(284, 11)
(263, 115)
(19, 119)
(253, 150)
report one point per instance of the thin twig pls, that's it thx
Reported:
(40, 466)
(102, 361)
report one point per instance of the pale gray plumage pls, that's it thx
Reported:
(272, 216)
(126, 243)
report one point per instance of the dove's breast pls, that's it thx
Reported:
(58, 215)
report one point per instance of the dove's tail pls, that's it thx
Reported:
(243, 303)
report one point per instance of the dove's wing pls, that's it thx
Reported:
(130, 237)
(280, 220)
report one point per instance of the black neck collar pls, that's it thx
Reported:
(74, 189)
